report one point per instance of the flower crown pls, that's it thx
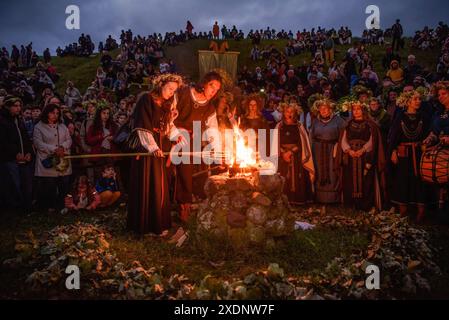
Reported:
(440, 85)
(359, 90)
(405, 97)
(85, 104)
(103, 104)
(345, 104)
(161, 80)
(323, 101)
(313, 98)
(284, 106)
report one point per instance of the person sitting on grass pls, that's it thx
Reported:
(83, 196)
(395, 72)
(107, 187)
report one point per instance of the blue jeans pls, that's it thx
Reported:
(17, 184)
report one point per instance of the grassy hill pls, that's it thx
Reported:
(186, 55)
(82, 70)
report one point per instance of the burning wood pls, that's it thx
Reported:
(245, 160)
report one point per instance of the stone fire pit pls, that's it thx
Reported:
(248, 209)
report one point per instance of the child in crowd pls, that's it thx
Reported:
(107, 186)
(83, 196)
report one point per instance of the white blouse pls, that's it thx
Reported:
(46, 141)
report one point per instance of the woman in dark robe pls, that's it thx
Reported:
(383, 120)
(295, 157)
(225, 111)
(381, 117)
(410, 127)
(361, 161)
(149, 200)
(253, 119)
(325, 130)
(195, 105)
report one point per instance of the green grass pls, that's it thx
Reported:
(80, 70)
(302, 253)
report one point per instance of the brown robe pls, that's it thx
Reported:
(362, 188)
(300, 172)
(149, 200)
(190, 111)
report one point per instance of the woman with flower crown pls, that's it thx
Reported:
(324, 133)
(295, 156)
(153, 128)
(361, 160)
(409, 128)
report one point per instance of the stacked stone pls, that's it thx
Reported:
(246, 209)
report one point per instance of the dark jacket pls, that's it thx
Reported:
(397, 30)
(10, 144)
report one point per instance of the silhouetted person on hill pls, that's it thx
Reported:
(397, 33)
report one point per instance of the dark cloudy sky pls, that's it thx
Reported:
(43, 21)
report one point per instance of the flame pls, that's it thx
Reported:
(244, 156)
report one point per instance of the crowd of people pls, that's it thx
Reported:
(429, 38)
(22, 58)
(83, 48)
(346, 135)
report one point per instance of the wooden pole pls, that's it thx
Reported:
(118, 155)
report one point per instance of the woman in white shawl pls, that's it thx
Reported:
(295, 156)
